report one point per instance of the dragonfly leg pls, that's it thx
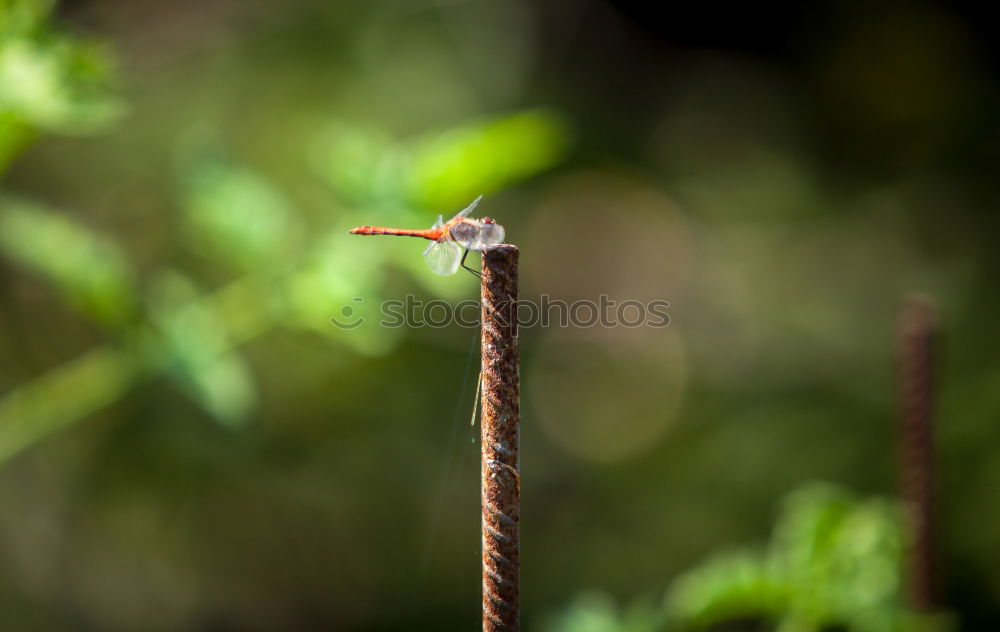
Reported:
(478, 275)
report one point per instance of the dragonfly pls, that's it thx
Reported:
(452, 240)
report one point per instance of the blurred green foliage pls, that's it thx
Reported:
(485, 156)
(234, 215)
(444, 169)
(49, 81)
(194, 345)
(834, 562)
(598, 612)
(32, 411)
(88, 268)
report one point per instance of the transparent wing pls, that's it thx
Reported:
(477, 235)
(490, 235)
(443, 256)
(466, 233)
(468, 209)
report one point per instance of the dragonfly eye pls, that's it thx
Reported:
(487, 220)
(490, 235)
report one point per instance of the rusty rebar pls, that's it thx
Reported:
(501, 418)
(915, 336)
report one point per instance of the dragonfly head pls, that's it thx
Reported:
(488, 220)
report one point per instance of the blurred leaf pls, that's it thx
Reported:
(849, 551)
(62, 396)
(728, 587)
(453, 167)
(88, 268)
(233, 214)
(23, 15)
(833, 560)
(195, 349)
(598, 612)
(15, 135)
(320, 290)
(357, 162)
(443, 170)
(50, 80)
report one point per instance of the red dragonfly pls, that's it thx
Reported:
(452, 239)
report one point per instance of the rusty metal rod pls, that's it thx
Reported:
(916, 331)
(501, 418)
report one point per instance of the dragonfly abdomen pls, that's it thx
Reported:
(431, 233)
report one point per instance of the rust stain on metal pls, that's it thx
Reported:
(916, 332)
(501, 418)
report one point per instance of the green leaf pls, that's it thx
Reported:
(88, 268)
(441, 170)
(65, 394)
(833, 560)
(235, 215)
(193, 346)
(450, 168)
(51, 80)
(358, 162)
(729, 586)
(598, 612)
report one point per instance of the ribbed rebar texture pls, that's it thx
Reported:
(916, 331)
(501, 419)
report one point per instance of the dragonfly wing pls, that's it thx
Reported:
(466, 234)
(488, 236)
(468, 209)
(443, 257)
(477, 235)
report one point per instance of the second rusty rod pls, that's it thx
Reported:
(501, 420)
(915, 338)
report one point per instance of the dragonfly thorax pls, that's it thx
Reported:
(477, 235)
(465, 234)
